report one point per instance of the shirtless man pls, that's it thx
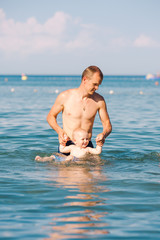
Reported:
(79, 107)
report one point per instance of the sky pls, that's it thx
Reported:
(122, 37)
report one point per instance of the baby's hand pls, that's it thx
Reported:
(99, 144)
(100, 139)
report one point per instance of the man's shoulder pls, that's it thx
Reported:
(67, 93)
(98, 97)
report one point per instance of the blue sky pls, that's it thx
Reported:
(66, 36)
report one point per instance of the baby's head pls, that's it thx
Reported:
(80, 137)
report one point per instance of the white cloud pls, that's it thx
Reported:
(145, 41)
(61, 33)
(83, 39)
(31, 36)
(120, 42)
(58, 33)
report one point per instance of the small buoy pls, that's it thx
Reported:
(141, 92)
(156, 83)
(35, 90)
(24, 77)
(56, 91)
(12, 89)
(111, 92)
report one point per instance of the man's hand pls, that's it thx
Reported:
(100, 139)
(63, 138)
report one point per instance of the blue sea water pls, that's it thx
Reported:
(115, 196)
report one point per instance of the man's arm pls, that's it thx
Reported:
(52, 118)
(107, 127)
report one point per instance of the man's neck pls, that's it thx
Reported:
(82, 92)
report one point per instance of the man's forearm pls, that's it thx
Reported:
(53, 124)
(107, 130)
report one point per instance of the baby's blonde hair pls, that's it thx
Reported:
(78, 130)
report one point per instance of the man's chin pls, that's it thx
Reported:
(91, 93)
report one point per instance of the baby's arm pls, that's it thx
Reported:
(96, 150)
(65, 149)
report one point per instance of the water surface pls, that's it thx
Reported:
(114, 196)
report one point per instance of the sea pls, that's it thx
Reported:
(113, 196)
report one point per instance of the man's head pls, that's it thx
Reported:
(89, 71)
(91, 79)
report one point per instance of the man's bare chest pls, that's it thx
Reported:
(80, 109)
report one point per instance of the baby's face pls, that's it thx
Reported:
(82, 139)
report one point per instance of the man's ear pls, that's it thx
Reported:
(84, 78)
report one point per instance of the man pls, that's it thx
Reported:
(79, 107)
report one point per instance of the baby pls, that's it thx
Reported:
(77, 150)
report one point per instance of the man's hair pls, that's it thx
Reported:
(89, 71)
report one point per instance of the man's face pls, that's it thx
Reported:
(93, 83)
